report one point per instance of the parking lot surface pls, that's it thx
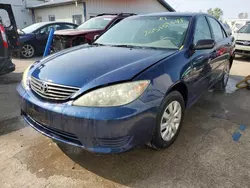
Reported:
(212, 150)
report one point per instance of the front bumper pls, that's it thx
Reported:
(101, 130)
(8, 66)
(242, 50)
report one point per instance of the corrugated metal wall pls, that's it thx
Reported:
(61, 13)
(95, 7)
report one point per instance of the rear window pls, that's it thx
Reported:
(4, 18)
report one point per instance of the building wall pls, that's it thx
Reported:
(95, 7)
(61, 13)
(22, 15)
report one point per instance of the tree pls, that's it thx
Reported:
(216, 12)
(243, 15)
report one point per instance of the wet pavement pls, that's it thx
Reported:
(212, 150)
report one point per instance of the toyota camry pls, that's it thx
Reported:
(131, 86)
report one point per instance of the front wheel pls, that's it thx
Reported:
(169, 121)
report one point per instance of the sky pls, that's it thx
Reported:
(230, 8)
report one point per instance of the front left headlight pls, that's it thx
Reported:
(25, 77)
(115, 95)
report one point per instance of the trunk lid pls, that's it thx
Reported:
(8, 33)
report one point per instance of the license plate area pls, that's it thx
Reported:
(39, 115)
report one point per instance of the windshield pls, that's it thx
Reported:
(157, 32)
(245, 29)
(96, 23)
(32, 28)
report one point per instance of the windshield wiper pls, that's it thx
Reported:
(97, 44)
(126, 46)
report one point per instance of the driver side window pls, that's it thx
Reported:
(42, 30)
(202, 30)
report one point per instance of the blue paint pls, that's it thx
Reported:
(49, 42)
(236, 136)
(242, 127)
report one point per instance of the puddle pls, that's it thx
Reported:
(231, 85)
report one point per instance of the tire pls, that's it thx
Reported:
(160, 141)
(27, 51)
(222, 83)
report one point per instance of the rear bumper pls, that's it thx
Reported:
(8, 67)
(100, 130)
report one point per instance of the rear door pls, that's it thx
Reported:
(8, 33)
(222, 50)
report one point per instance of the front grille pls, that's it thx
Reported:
(52, 91)
(60, 43)
(114, 142)
(243, 42)
(54, 133)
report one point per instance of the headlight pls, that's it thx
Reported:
(25, 77)
(116, 95)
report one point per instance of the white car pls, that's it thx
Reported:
(242, 37)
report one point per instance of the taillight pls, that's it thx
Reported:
(4, 37)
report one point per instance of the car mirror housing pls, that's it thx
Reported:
(204, 44)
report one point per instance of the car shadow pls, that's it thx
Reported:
(10, 120)
(11, 78)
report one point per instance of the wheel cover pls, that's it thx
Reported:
(27, 51)
(170, 121)
(226, 74)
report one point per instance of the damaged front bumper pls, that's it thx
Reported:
(100, 130)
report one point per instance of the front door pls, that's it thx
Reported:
(201, 60)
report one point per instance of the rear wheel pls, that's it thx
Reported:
(222, 83)
(27, 51)
(169, 121)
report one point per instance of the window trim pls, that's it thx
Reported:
(222, 29)
(111, 24)
(210, 29)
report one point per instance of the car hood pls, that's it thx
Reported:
(72, 32)
(87, 67)
(242, 36)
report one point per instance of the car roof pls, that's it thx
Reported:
(46, 23)
(107, 16)
(192, 14)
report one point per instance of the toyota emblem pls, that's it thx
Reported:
(44, 88)
(246, 43)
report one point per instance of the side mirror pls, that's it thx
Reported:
(204, 44)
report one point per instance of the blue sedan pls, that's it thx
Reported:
(33, 38)
(131, 86)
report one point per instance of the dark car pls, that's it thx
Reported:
(88, 31)
(34, 37)
(8, 38)
(132, 86)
